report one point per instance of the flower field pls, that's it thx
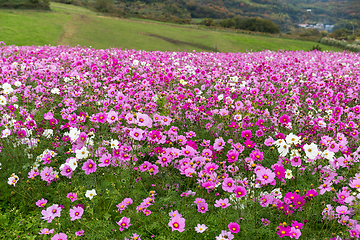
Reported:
(125, 144)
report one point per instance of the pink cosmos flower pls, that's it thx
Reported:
(135, 236)
(222, 203)
(283, 231)
(342, 210)
(249, 143)
(41, 203)
(72, 196)
(124, 223)
(143, 120)
(59, 236)
(285, 119)
(136, 133)
(219, 144)
(47, 158)
(228, 185)
(294, 233)
(89, 166)
(76, 213)
(203, 207)
(127, 201)
(112, 117)
(210, 167)
(47, 174)
(105, 160)
(51, 212)
(66, 171)
(177, 224)
(175, 213)
(79, 233)
(232, 156)
(224, 235)
(311, 193)
(265, 200)
(297, 225)
(265, 222)
(246, 134)
(234, 227)
(46, 231)
(240, 191)
(265, 176)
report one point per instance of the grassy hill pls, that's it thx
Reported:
(71, 25)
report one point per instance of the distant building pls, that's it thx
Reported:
(309, 9)
(328, 28)
(318, 26)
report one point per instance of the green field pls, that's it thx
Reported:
(71, 25)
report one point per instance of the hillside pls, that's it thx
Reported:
(71, 25)
(286, 13)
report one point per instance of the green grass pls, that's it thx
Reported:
(72, 25)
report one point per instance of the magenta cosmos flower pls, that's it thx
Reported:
(76, 213)
(89, 166)
(240, 191)
(124, 223)
(234, 227)
(79, 233)
(177, 223)
(285, 119)
(59, 236)
(232, 156)
(72, 196)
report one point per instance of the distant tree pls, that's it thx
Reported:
(208, 22)
(103, 5)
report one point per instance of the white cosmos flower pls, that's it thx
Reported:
(5, 133)
(55, 91)
(311, 150)
(48, 133)
(283, 149)
(8, 90)
(277, 193)
(114, 143)
(90, 193)
(288, 174)
(292, 139)
(3, 100)
(72, 163)
(82, 153)
(6, 86)
(328, 155)
(74, 134)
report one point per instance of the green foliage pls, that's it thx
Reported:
(103, 5)
(251, 24)
(340, 44)
(317, 47)
(26, 4)
(340, 34)
(208, 22)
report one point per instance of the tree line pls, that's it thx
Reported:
(250, 24)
